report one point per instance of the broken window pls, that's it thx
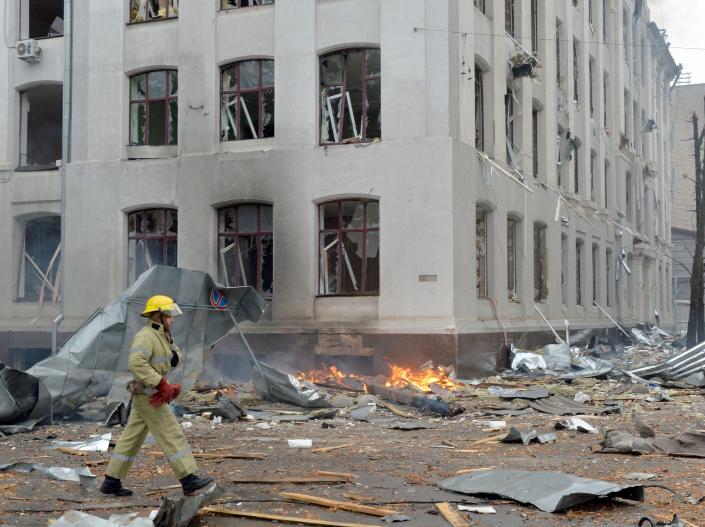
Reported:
(509, 16)
(576, 73)
(593, 183)
(590, 9)
(247, 100)
(625, 35)
(509, 118)
(564, 268)
(481, 281)
(630, 286)
(349, 247)
(558, 54)
(143, 10)
(351, 84)
(39, 276)
(540, 263)
(576, 168)
(246, 247)
(591, 66)
(595, 271)
(608, 276)
(605, 19)
(535, 141)
(512, 226)
(40, 127)
(629, 198)
(535, 26)
(23, 359)
(154, 108)
(479, 110)
(605, 98)
(151, 240)
(579, 272)
(233, 4)
(605, 194)
(42, 18)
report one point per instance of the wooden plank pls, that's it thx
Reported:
(490, 439)
(394, 409)
(331, 448)
(72, 451)
(451, 515)
(224, 511)
(345, 475)
(252, 455)
(341, 505)
(290, 479)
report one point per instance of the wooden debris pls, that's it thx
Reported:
(251, 455)
(331, 448)
(290, 479)
(468, 470)
(345, 475)
(451, 515)
(72, 451)
(490, 439)
(449, 443)
(357, 497)
(341, 505)
(394, 409)
(162, 489)
(224, 511)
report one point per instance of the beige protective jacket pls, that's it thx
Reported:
(151, 356)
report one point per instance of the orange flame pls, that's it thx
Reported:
(333, 376)
(420, 379)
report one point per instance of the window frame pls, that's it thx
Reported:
(512, 258)
(482, 267)
(540, 255)
(168, 7)
(340, 232)
(52, 270)
(167, 99)
(258, 235)
(238, 92)
(343, 85)
(257, 3)
(479, 109)
(165, 237)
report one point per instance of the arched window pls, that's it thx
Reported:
(154, 108)
(39, 262)
(349, 247)
(151, 240)
(246, 247)
(247, 100)
(351, 84)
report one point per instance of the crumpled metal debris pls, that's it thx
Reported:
(506, 393)
(687, 444)
(519, 436)
(529, 362)
(648, 522)
(559, 405)
(549, 491)
(24, 401)
(285, 387)
(81, 519)
(178, 512)
(575, 423)
(82, 475)
(557, 356)
(97, 443)
(396, 518)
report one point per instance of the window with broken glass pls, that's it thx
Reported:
(540, 263)
(351, 84)
(154, 108)
(247, 100)
(39, 277)
(42, 18)
(576, 73)
(579, 272)
(479, 110)
(151, 240)
(145, 10)
(349, 247)
(481, 252)
(534, 26)
(40, 127)
(595, 271)
(608, 277)
(234, 4)
(246, 247)
(509, 24)
(593, 183)
(509, 100)
(512, 225)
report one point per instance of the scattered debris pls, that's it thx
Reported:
(687, 444)
(180, 511)
(505, 393)
(648, 522)
(341, 505)
(82, 519)
(24, 401)
(517, 436)
(549, 491)
(97, 443)
(78, 475)
(224, 511)
(640, 476)
(560, 405)
(451, 515)
(575, 423)
(300, 443)
(478, 509)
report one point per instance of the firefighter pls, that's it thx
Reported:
(152, 355)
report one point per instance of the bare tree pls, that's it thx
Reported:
(696, 316)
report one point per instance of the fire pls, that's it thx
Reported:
(421, 379)
(334, 377)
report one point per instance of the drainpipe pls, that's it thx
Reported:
(65, 144)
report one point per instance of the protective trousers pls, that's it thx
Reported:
(162, 424)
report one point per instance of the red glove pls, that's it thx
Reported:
(165, 393)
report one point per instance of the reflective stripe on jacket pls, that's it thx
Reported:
(151, 355)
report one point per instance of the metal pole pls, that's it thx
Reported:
(598, 306)
(558, 338)
(65, 154)
(249, 349)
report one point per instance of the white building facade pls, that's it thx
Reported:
(404, 179)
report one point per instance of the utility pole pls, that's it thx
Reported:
(696, 316)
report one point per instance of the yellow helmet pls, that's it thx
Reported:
(161, 304)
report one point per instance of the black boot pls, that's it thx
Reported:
(114, 486)
(192, 483)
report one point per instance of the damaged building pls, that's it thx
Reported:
(402, 180)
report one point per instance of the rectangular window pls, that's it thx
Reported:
(42, 18)
(607, 183)
(154, 108)
(512, 225)
(479, 110)
(558, 54)
(593, 175)
(608, 277)
(595, 271)
(540, 263)
(535, 26)
(625, 35)
(40, 127)
(626, 113)
(576, 169)
(509, 124)
(579, 272)
(591, 66)
(576, 73)
(152, 237)
(629, 198)
(590, 14)
(143, 10)
(481, 252)
(40, 255)
(349, 247)
(247, 100)
(535, 141)
(605, 19)
(351, 84)
(234, 4)
(246, 247)
(509, 16)
(480, 4)
(605, 98)
(564, 269)
(630, 280)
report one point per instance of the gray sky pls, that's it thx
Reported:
(683, 20)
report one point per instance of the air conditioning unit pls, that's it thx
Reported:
(28, 50)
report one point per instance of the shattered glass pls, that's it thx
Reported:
(156, 84)
(173, 128)
(329, 215)
(373, 114)
(352, 256)
(352, 213)
(138, 122)
(328, 263)
(138, 87)
(268, 113)
(372, 263)
(372, 219)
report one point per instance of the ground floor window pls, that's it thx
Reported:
(39, 277)
(151, 240)
(540, 263)
(349, 247)
(481, 252)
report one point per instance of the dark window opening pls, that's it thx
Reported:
(535, 141)
(23, 359)
(540, 263)
(40, 127)
(481, 5)
(40, 254)
(479, 110)
(45, 18)
(509, 125)
(595, 271)
(509, 21)
(579, 272)
(593, 183)
(154, 108)
(512, 288)
(535, 26)
(152, 236)
(576, 170)
(576, 73)
(558, 55)
(351, 83)
(246, 247)
(144, 10)
(247, 100)
(564, 269)
(608, 277)
(481, 268)
(592, 87)
(349, 247)
(234, 4)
